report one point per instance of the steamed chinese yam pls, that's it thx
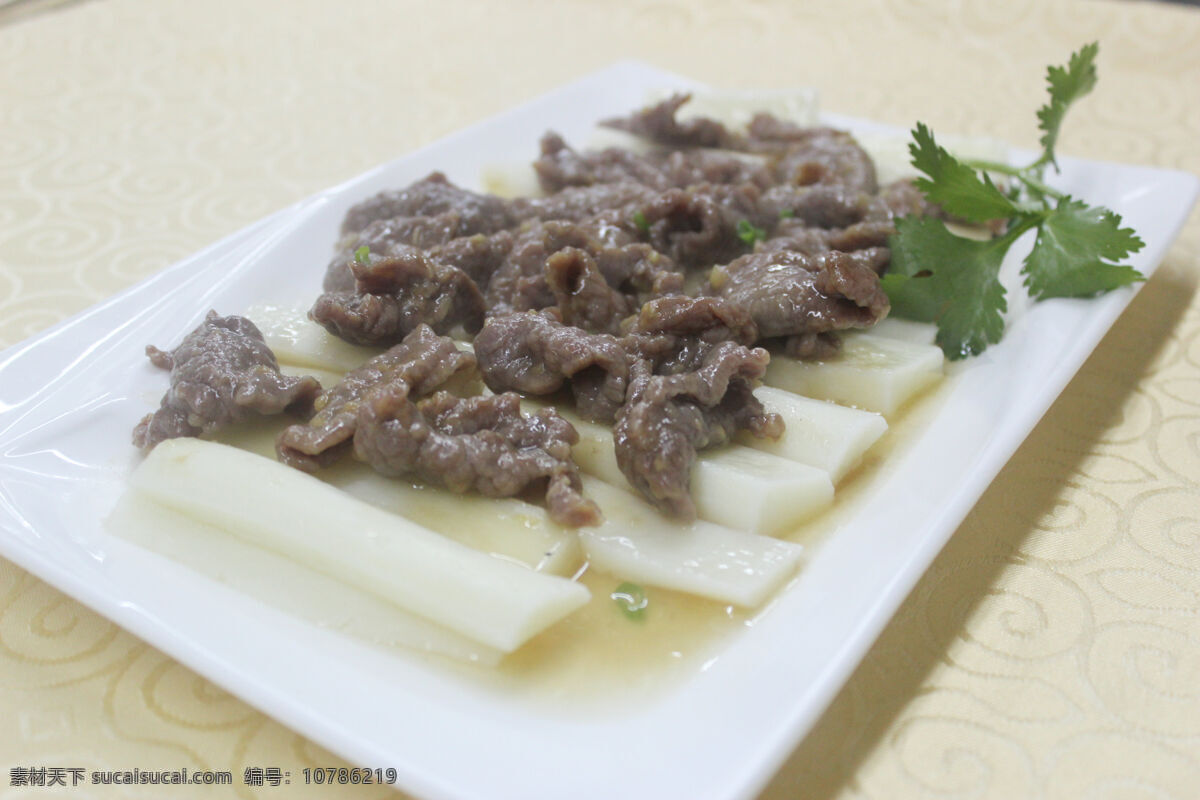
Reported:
(638, 543)
(818, 433)
(875, 373)
(282, 583)
(281, 509)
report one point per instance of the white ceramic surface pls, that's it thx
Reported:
(70, 396)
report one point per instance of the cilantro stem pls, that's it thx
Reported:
(1026, 223)
(1020, 173)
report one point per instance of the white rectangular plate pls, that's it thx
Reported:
(70, 397)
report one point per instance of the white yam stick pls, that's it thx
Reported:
(818, 433)
(875, 373)
(755, 491)
(506, 527)
(283, 584)
(281, 509)
(511, 179)
(905, 329)
(637, 543)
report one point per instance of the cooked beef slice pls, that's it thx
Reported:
(685, 168)
(396, 293)
(521, 282)
(702, 225)
(422, 362)
(659, 124)
(430, 196)
(537, 354)
(581, 294)
(815, 219)
(818, 206)
(822, 156)
(795, 235)
(484, 444)
(478, 255)
(812, 346)
(710, 319)
(559, 166)
(221, 373)
(579, 203)
(668, 418)
(788, 293)
(385, 237)
(676, 334)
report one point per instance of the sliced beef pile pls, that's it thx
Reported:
(221, 373)
(422, 363)
(640, 285)
(394, 294)
(482, 444)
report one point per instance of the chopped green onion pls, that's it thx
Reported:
(642, 223)
(750, 234)
(631, 599)
(363, 255)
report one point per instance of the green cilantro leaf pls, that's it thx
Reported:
(639, 219)
(953, 185)
(363, 255)
(749, 233)
(936, 276)
(1075, 246)
(1066, 84)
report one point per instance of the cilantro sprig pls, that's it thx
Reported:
(938, 276)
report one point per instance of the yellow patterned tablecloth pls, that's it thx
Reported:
(1053, 650)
